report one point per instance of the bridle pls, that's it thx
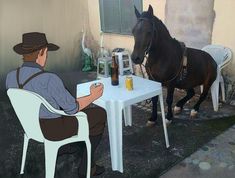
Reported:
(147, 50)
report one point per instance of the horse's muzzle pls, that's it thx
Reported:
(136, 59)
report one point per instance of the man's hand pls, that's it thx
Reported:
(96, 91)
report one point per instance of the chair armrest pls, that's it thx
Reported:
(56, 111)
(81, 117)
(83, 126)
(224, 64)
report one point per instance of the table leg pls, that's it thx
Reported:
(114, 117)
(163, 120)
(128, 116)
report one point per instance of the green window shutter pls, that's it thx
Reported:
(110, 16)
(117, 16)
(128, 18)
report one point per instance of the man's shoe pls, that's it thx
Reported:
(67, 149)
(98, 170)
(95, 171)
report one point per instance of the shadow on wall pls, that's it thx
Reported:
(191, 21)
(62, 22)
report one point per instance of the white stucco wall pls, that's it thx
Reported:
(62, 21)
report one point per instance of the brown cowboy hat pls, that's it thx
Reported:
(34, 41)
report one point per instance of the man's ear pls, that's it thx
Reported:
(137, 13)
(41, 52)
(150, 10)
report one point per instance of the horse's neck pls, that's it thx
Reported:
(164, 59)
(162, 48)
(163, 43)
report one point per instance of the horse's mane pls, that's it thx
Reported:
(159, 25)
(162, 31)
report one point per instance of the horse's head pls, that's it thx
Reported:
(143, 33)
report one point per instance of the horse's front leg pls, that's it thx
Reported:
(153, 120)
(169, 101)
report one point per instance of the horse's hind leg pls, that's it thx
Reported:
(203, 96)
(180, 104)
(169, 100)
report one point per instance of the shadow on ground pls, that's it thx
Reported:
(144, 151)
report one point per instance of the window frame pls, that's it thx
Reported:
(118, 31)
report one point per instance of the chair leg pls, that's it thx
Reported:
(88, 146)
(222, 88)
(25, 147)
(164, 121)
(50, 159)
(215, 95)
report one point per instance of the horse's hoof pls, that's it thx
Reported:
(193, 114)
(168, 122)
(177, 110)
(150, 124)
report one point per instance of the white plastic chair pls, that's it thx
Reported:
(222, 55)
(124, 62)
(27, 105)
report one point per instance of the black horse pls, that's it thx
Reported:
(171, 63)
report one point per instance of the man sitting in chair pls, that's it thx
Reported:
(31, 76)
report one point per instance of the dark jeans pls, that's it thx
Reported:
(65, 127)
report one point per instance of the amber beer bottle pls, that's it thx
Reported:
(114, 71)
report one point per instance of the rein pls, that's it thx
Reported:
(149, 71)
(147, 49)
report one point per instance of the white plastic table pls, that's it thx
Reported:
(116, 99)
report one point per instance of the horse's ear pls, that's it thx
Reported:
(150, 10)
(137, 13)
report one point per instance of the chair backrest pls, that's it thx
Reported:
(222, 55)
(27, 105)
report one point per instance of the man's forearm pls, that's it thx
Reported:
(84, 101)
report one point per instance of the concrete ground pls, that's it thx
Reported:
(216, 159)
(144, 152)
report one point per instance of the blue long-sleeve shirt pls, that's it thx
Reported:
(48, 85)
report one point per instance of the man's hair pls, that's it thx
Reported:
(31, 57)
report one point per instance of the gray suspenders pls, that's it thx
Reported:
(21, 86)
